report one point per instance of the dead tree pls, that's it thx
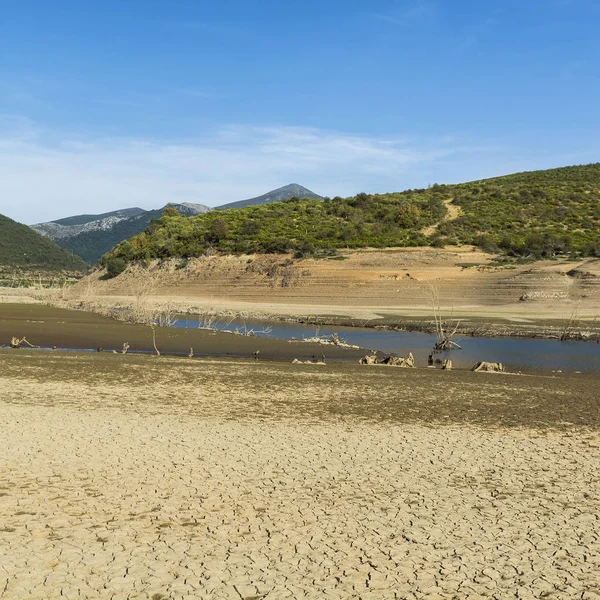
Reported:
(444, 330)
(571, 327)
(153, 327)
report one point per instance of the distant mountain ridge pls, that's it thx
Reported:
(83, 219)
(72, 226)
(283, 193)
(91, 236)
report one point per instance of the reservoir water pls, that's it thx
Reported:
(517, 354)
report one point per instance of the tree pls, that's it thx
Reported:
(218, 230)
(408, 215)
(115, 266)
(171, 211)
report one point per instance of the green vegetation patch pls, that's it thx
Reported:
(306, 227)
(542, 214)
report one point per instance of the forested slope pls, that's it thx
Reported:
(22, 247)
(539, 214)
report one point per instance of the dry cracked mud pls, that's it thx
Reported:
(135, 477)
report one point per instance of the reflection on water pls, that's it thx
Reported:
(515, 353)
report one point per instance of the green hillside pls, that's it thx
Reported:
(540, 214)
(21, 247)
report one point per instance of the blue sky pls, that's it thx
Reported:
(137, 103)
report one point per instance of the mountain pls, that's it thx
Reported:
(539, 214)
(283, 193)
(90, 236)
(21, 247)
(72, 226)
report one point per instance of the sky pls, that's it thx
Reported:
(119, 103)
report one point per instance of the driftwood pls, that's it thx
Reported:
(447, 365)
(369, 359)
(124, 351)
(307, 362)
(15, 343)
(392, 361)
(488, 367)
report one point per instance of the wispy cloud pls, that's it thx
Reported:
(45, 175)
(473, 34)
(194, 93)
(409, 14)
(388, 18)
(206, 26)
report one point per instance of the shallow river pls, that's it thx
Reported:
(515, 353)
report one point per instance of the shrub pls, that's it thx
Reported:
(541, 214)
(115, 266)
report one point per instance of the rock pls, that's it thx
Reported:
(488, 367)
(579, 274)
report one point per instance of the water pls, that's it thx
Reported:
(517, 354)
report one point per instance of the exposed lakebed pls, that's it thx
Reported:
(47, 326)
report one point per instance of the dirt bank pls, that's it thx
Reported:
(368, 285)
(393, 287)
